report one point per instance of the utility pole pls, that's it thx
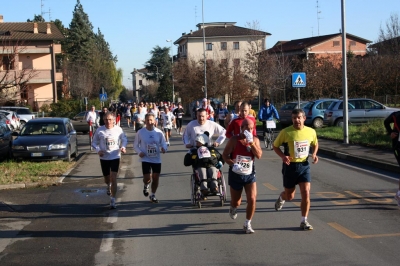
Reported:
(204, 51)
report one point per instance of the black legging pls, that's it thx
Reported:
(179, 122)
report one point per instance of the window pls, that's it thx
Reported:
(8, 63)
(236, 45)
(140, 82)
(336, 43)
(223, 45)
(236, 63)
(209, 46)
(352, 43)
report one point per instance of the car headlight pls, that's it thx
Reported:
(18, 147)
(57, 146)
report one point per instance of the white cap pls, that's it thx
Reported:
(202, 138)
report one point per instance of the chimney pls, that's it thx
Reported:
(48, 28)
(1, 18)
(191, 31)
(35, 28)
(225, 25)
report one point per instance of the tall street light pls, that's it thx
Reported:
(172, 72)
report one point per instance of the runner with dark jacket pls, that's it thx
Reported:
(394, 118)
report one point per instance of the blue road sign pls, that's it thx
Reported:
(298, 80)
(103, 97)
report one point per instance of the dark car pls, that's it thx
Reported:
(79, 122)
(46, 139)
(5, 141)
(360, 110)
(285, 113)
(315, 112)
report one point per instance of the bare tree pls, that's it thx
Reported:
(80, 80)
(14, 76)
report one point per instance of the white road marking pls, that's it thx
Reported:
(107, 242)
(112, 218)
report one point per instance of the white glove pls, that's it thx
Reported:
(249, 136)
(237, 168)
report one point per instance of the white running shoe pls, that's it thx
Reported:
(233, 213)
(248, 229)
(112, 204)
(279, 204)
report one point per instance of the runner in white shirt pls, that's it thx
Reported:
(168, 119)
(149, 142)
(91, 116)
(109, 141)
(201, 125)
(156, 112)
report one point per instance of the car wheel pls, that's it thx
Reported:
(75, 154)
(68, 158)
(339, 122)
(318, 122)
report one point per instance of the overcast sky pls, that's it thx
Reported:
(134, 27)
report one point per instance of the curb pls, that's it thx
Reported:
(374, 163)
(44, 184)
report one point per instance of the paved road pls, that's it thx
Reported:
(353, 213)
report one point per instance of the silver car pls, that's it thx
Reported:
(13, 118)
(360, 110)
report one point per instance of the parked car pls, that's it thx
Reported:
(315, 112)
(13, 118)
(285, 113)
(79, 122)
(360, 111)
(5, 140)
(23, 113)
(46, 139)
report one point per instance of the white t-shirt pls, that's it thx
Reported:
(150, 143)
(194, 128)
(110, 141)
(167, 119)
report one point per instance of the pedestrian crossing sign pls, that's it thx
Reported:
(103, 97)
(299, 80)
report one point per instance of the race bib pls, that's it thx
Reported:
(221, 116)
(203, 152)
(111, 144)
(270, 124)
(151, 150)
(246, 163)
(301, 148)
(180, 115)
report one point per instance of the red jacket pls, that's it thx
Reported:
(234, 126)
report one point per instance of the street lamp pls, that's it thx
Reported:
(172, 72)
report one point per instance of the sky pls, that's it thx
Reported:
(134, 27)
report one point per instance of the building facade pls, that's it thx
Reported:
(28, 66)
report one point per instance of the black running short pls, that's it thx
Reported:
(109, 165)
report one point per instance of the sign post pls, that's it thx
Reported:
(299, 81)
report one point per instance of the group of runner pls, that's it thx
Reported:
(239, 153)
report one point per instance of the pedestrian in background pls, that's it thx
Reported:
(394, 118)
(221, 114)
(295, 166)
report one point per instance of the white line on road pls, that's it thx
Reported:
(107, 242)
(112, 218)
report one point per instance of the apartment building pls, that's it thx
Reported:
(320, 46)
(28, 50)
(224, 42)
(140, 83)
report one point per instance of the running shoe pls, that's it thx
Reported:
(146, 190)
(168, 143)
(112, 204)
(397, 198)
(306, 226)
(153, 199)
(279, 204)
(248, 229)
(233, 213)
(109, 189)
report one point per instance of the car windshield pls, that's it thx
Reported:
(43, 129)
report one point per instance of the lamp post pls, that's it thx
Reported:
(172, 72)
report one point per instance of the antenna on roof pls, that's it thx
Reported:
(195, 15)
(43, 12)
(318, 17)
